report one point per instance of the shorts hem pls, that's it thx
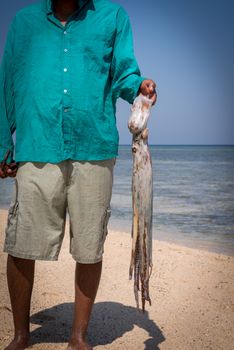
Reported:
(86, 261)
(28, 256)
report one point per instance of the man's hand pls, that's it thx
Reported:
(8, 169)
(148, 88)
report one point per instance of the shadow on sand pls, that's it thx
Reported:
(109, 322)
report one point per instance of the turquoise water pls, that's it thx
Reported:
(193, 195)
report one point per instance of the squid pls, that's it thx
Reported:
(142, 200)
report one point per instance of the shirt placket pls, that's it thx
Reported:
(66, 89)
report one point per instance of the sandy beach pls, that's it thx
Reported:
(192, 300)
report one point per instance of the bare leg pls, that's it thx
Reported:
(20, 277)
(87, 277)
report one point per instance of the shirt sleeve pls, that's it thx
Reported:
(126, 76)
(7, 117)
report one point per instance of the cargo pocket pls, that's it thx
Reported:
(105, 223)
(12, 224)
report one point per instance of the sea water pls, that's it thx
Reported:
(193, 190)
(193, 195)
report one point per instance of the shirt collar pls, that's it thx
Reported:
(49, 7)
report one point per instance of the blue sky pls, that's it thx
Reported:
(187, 47)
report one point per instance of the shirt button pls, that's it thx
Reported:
(65, 32)
(65, 69)
(65, 110)
(65, 50)
(65, 91)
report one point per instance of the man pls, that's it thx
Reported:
(65, 64)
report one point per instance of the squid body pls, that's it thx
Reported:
(142, 200)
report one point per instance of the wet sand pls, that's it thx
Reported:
(191, 290)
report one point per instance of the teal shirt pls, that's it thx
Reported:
(59, 84)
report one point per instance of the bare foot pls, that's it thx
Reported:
(18, 343)
(79, 345)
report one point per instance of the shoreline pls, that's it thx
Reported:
(180, 239)
(167, 237)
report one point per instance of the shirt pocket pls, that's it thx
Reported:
(97, 41)
(97, 52)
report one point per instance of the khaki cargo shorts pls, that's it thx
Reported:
(44, 194)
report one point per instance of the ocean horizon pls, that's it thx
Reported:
(193, 189)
